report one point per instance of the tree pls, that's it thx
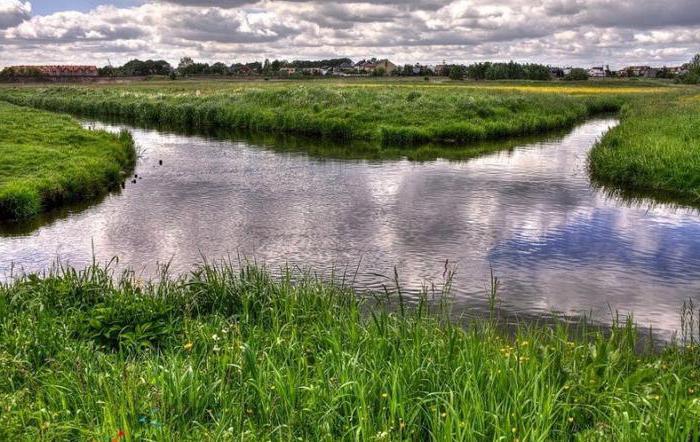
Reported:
(577, 74)
(185, 62)
(693, 74)
(456, 72)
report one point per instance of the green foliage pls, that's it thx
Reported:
(236, 354)
(48, 160)
(655, 150)
(576, 74)
(456, 73)
(138, 68)
(693, 74)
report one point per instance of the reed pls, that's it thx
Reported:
(233, 353)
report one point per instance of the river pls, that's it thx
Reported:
(557, 244)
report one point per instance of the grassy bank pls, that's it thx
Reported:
(390, 114)
(49, 159)
(228, 355)
(655, 150)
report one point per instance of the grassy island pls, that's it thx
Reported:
(49, 159)
(225, 354)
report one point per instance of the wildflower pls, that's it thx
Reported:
(188, 346)
(217, 348)
(513, 430)
(443, 414)
(385, 395)
(571, 419)
(691, 391)
(524, 343)
(215, 337)
(382, 435)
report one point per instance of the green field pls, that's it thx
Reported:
(49, 160)
(226, 355)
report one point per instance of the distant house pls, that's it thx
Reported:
(343, 69)
(53, 71)
(314, 71)
(365, 66)
(597, 72)
(442, 70)
(651, 72)
(372, 66)
(385, 64)
(241, 69)
(635, 71)
(288, 71)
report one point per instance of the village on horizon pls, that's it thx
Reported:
(341, 67)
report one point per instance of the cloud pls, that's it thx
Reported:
(582, 32)
(13, 12)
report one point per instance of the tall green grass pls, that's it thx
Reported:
(655, 150)
(49, 159)
(225, 354)
(390, 115)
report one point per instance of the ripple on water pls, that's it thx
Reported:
(529, 213)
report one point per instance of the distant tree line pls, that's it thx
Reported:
(137, 68)
(475, 71)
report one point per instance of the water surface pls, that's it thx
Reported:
(530, 214)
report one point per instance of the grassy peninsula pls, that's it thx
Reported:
(49, 159)
(226, 354)
(387, 113)
(655, 150)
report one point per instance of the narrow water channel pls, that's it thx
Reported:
(530, 214)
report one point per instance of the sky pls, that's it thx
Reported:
(557, 32)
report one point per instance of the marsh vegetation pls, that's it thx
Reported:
(225, 354)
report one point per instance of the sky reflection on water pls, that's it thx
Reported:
(530, 214)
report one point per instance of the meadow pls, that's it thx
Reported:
(229, 352)
(49, 160)
(655, 150)
(391, 114)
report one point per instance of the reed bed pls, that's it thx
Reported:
(49, 160)
(232, 353)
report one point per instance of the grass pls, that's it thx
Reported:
(394, 114)
(655, 150)
(49, 160)
(225, 354)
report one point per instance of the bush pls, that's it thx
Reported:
(577, 74)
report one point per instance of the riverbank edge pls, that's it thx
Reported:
(23, 197)
(229, 350)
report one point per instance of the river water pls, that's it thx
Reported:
(557, 244)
